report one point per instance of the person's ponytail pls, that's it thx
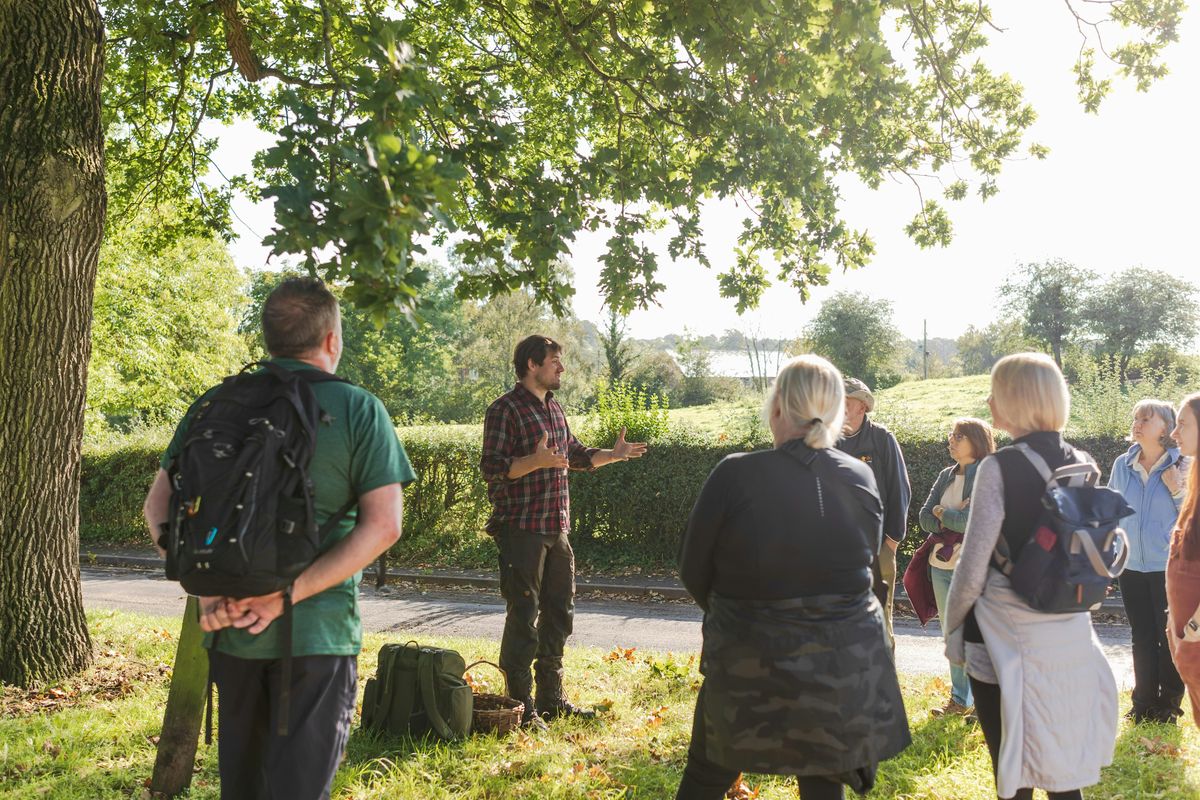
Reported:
(817, 436)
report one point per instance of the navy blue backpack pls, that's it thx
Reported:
(1076, 548)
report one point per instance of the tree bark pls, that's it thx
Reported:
(52, 204)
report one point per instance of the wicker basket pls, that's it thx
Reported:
(495, 713)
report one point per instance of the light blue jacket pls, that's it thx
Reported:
(1155, 510)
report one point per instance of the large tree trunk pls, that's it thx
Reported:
(52, 204)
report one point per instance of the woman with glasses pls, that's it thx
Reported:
(1149, 478)
(944, 518)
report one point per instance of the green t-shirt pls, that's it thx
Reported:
(356, 452)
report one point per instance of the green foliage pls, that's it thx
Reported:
(414, 371)
(517, 126)
(446, 508)
(164, 326)
(657, 373)
(700, 386)
(857, 334)
(1102, 405)
(353, 198)
(1049, 300)
(115, 474)
(491, 332)
(979, 349)
(629, 514)
(621, 405)
(618, 350)
(1139, 308)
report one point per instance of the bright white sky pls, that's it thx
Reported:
(1117, 190)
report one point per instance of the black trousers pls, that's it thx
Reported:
(255, 762)
(537, 581)
(987, 708)
(706, 780)
(1157, 687)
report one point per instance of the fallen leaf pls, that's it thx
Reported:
(1159, 747)
(741, 791)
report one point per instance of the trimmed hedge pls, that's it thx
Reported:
(630, 514)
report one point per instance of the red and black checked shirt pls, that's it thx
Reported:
(538, 502)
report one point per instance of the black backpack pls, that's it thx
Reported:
(1076, 549)
(242, 521)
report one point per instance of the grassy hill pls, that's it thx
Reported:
(1098, 407)
(921, 405)
(933, 404)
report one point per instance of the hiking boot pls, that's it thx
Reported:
(565, 709)
(952, 709)
(530, 719)
(1139, 716)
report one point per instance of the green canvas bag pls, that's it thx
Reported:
(417, 690)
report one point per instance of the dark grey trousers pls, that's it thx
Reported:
(537, 581)
(255, 762)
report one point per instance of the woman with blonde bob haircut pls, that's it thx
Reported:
(778, 553)
(1044, 693)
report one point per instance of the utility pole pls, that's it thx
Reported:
(925, 347)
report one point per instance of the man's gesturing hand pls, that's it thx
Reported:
(545, 458)
(624, 450)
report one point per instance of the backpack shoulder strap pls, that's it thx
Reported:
(335, 518)
(319, 376)
(1083, 472)
(1036, 460)
(1001, 554)
(426, 682)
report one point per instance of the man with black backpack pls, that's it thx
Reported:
(257, 490)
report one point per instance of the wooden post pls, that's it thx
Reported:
(185, 708)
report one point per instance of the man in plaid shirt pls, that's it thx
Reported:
(527, 449)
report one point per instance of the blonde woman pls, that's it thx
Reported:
(778, 553)
(1044, 693)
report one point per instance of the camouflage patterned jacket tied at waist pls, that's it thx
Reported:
(803, 686)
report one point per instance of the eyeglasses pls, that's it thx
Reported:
(956, 437)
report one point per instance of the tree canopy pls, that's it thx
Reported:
(858, 335)
(1049, 298)
(510, 126)
(164, 325)
(1138, 308)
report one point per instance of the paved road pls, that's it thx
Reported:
(605, 623)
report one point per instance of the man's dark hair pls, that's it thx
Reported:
(533, 347)
(298, 314)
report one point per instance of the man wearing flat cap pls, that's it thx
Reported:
(875, 445)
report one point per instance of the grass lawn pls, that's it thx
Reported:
(933, 404)
(93, 737)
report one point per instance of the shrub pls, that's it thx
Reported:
(115, 474)
(628, 514)
(1102, 406)
(643, 415)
